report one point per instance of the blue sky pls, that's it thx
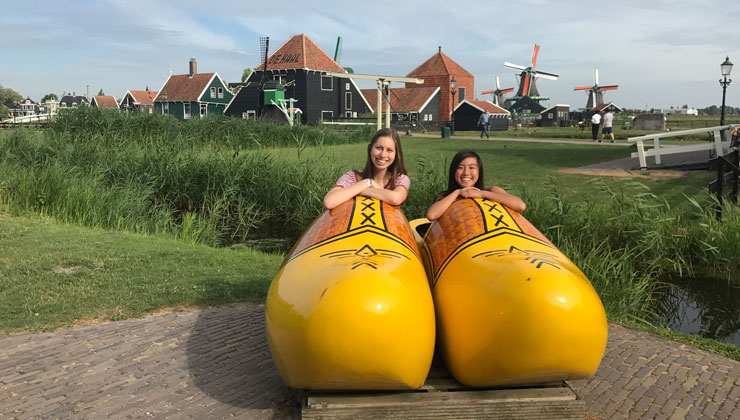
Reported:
(661, 53)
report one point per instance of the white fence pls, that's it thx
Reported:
(718, 145)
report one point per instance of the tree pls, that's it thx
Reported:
(8, 99)
(101, 93)
(246, 74)
(49, 97)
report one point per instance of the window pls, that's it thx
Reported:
(186, 110)
(203, 110)
(347, 100)
(549, 115)
(279, 78)
(213, 92)
(348, 114)
(250, 114)
(327, 83)
(166, 108)
(346, 86)
(430, 117)
(220, 93)
(327, 115)
(462, 95)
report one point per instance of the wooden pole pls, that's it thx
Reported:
(388, 105)
(379, 109)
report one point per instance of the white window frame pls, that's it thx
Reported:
(166, 108)
(186, 111)
(281, 78)
(348, 114)
(346, 86)
(461, 95)
(331, 114)
(213, 92)
(220, 93)
(203, 110)
(250, 114)
(331, 83)
(347, 100)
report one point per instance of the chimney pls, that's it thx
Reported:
(193, 67)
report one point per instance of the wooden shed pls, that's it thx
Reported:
(467, 113)
(555, 116)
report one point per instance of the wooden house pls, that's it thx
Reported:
(468, 112)
(299, 65)
(102, 101)
(555, 116)
(73, 100)
(193, 95)
(26, 108)
(409, 104)
(139, 101)
(438, 71)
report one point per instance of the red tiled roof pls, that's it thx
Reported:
(146, 97)
(182, 87)
(488, 106)
(402, 99)
(300, 52)
(438, 65)
(106, 102)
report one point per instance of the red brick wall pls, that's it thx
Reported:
(445, 92)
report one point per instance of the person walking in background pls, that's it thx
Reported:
(483, 122)
(608, 118)
(595, 122)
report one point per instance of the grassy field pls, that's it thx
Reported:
(164, 205)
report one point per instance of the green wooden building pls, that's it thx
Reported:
(193, 95)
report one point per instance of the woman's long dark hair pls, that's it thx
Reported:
(397, 167)
(452, 184)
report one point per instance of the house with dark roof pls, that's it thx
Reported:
(555, 116)
(193, 95)
(300, 66)
(71, 101)
(139, 101)
(408, 104)
(469, 111)
(438, 71)
(26, 108)
(101, 101)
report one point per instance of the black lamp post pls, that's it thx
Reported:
(453, 85)
(726, 68)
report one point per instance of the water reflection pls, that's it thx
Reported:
(707, 307)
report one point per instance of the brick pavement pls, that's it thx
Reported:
(215, 363)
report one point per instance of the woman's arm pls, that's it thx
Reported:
(394, 197)
(495, 193)
(439, 207)
(339, 195)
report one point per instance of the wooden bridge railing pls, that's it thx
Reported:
(718, 144)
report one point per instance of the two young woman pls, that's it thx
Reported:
(385, 178)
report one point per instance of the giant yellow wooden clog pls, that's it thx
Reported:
(511, 308)
(351, 307)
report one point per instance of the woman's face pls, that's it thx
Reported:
(466, 174)
(383, 153)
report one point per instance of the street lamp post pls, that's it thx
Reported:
(453, 85)
(726, 68)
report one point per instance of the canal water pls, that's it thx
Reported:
(707, 307)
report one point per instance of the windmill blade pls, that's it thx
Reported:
(583, 88)
(486, 92)
(498, 83)
(525, 90)
(610, 87)
(596, 76)
(514, 66)
(534, 55)
(546, 75)
(506, 90)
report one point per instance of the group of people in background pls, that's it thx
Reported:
(596, 121)
(384, 177)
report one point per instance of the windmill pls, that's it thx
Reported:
(338, 55)
(527, 98)
(498, 93)
(595, 92)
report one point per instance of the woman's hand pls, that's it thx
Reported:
(470, 192)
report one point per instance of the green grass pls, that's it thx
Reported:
(54, 275)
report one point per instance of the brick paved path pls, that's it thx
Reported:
(215, 363)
